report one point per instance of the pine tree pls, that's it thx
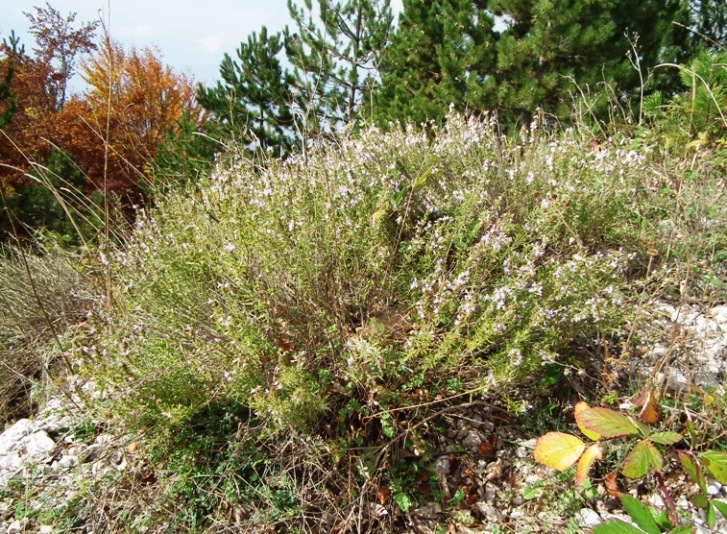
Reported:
(658, 32)
(553, 49)
(542, 55)
(442, 54)
(710, 23)
(336, 63)
(253, 102)
(11, 50)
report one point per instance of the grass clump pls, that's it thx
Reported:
(42, 294)
(291, 329)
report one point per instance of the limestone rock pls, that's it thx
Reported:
(22, 443)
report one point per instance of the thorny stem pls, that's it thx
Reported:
(671, 509)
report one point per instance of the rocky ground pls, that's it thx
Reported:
(65, 457)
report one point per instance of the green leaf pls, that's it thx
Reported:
(692, 432)
(666, 438)
(693, 470)
(616, 526)
(644, 429)
(606, 422)
(640, 513)
(721, 506)
(700, 500)
(421, 181)
(716, 464)
(682, 529)
(661, 519)
(710, 516)
(402, 500)
(643, 456)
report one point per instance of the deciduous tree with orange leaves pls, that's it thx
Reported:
(132, 103)
(105, 137)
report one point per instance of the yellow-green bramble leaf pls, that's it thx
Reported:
(606, 422)
(592, 454)
(666, 438)
(710, 516)
(643, 456)
(557, 450)
(577, 409)
(716, 464)
(721, 506)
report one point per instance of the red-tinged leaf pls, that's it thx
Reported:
(692, 469)
(642, 457)
(616, 526)
(585, 462)
(666, 438)
(606, 422)
(557, 450)
(716, 463)
(577, 410)
(609, 481)
(641, 514)
(650, 410)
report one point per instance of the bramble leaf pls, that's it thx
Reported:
(606, 422)
(577, 409)
(558, 450)
(710, 515)
(641, 457)
(693, 469)
(700, 500)
(616, 526)
(649, 407)
(640, 513)
(666, 438)
(592, 454)
(716, 464)
(721, 506)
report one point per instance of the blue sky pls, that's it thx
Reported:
(192, 35)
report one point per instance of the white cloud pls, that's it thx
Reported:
(215, 44)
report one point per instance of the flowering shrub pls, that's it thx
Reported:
(319, 292)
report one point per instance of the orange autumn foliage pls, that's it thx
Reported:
(132, 102)
(141, 98)
(25, 137)
(39, 88)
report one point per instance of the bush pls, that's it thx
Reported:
(322, 296)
